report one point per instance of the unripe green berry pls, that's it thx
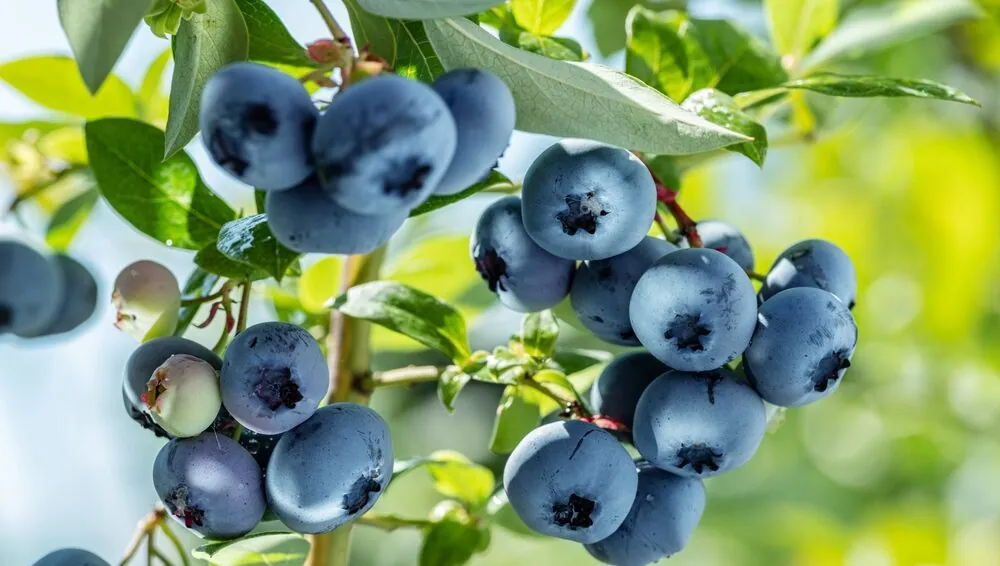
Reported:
(183, 395)
(148, 299)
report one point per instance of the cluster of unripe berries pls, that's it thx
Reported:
(342, 182)
(42, 296)
(688, 411)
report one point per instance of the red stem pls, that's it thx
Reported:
(668, 197)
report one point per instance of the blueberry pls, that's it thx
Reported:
(586, 200)
(145, 360)
(694, 309)
(617, 390)
(211, 485)
(698, 424)
(71, 557)
(273, 377)
(79, 299)
(802, 346)
(483, 109)
(570, 480)
(602, 289)
(182, 396)
(813, 263)
(147, 299)
(31, 289)
(331, 469)
(306, 220)
(256, 123)
(260, 446)
(384, 145)
(665, 512)
(725, 238)
(525, 277)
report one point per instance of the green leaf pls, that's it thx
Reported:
(451, 543)
(270, 40)
(98, 31)
(679, 55)
(556, 382)
(539, 331)
(519, 412)
(494, 181)
(199, 284)
(55, 83)
(250, 241)
(606, 17)
(402, 43)
(152, 101)
(861, 86)
(214, 261)
(260, 201)
(457, 477)
(166, 200)
(560, 48)
(410, 312)
(261, 549)
(203, 45)
(431, 265)
(872, 29)
(721, 109)
(559, 98)
(425, 9)
(68, 220)
(541, 17)
(796, 25)
(452, 381)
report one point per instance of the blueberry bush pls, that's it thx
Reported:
(270, 453)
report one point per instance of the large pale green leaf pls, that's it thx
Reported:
(98, 31)
(860, 86)
(166, 200)
(402, 43)
(54, 82)
(261, 549)
(69, 218)
(871, 29)
(721, 109)
(797, 24)
(270, 40)
(250, 241)
(426, 9)
(203, 45)
(541, 17)
(567, 99)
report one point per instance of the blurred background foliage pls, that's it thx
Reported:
(900, 467)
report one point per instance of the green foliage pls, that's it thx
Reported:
(541, 17)
(425, 9)
(720, 109)
(403, 44)
(519, 412)
(199, 284)
(152, 102)
(450, 543)
(854, 86)
(54, 83)
(98, 31)
(539, 331)
(451, 383)
(495, 181)
(69, 218)
(250, 241)
(261, 549)
(454, 476)
(269, 39)
(212, 260)
(559, 48)
(166, 200)
(796, 25)
(205, 43)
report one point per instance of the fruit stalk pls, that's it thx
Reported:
(329, 20)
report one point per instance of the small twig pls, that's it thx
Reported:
(668, 233)
(146, 526)
(169, 532)
(668, 197)
(570, 404)
(756, 276)
(241, 322)
(407, 376)
(329, 20)
(390, 523)
(150, 549)
(205, 299)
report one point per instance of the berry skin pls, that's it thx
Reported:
(483, 109)
(183, 396)
(256, 123)
(331, 469)
(31, 288)
(525, 277)
(273, 377)
(260, 446)
(147, 298)
(145, 360)
(802, 346)
(666, 511)
(602, 289)
(79, 300)
(813, 263)
(616, 391)
(570, 480)
(384, 145)
(694, 309)
(71, 557)
(141, 417)
(698, 424)
(725, 238)
(586, 200)
(306, 220)
(211, 485)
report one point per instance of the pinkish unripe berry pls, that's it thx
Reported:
(147, 298)
(183, 395)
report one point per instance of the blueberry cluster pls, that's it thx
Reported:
(688, 406)
(42, 296)
(342, 182)
(246, 435)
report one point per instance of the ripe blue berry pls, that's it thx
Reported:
(71, 557)
(306, 220)
(525, 277)
(586, 200)
(725, 238)
(256, 123)
(602, 289)
(802, 346)
(210, 484)
(694, 309)
(273, 377)
(384, 145)
(330, 469)
(698, 424)
(483, 108)
(617, 390)
(31, 289)
(666, 511)
(570, 480)
(79, 299)
(813, 263)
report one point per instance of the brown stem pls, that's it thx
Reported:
(668, 197)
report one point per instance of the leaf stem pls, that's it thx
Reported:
(241, 321)
(668, 197)
(390, 523)
(407, 376)
(146, 526)
(756, 276)
(206, 299)
(668, 233)
(169, 532)
(570, 404)
(329, 20)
